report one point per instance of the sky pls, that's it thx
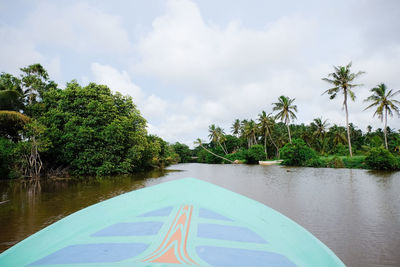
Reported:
(189, 64)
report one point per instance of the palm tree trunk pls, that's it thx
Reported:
(226, 150)
(385, 129)
(222, 147)
(216, 154)
(272, 141)
(288, 128)
(265, 145)
(347, 124)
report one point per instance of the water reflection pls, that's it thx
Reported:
(355, 212)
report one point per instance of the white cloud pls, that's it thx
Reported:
(235, 72)
(152, 106)
(185, 50)
(116, 80)
(16, 50)
(79, 27)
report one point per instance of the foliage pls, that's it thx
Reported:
(183, 151)
(383, 100)
(240, 155)
(95, 131)
(297, 153)
(335, 162)
(342, 80)
(11, 95)
(255, 154)
(381, 159)
(316, 162)
(12, 124)
(6, 157)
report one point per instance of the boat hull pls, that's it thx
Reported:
(187, 222)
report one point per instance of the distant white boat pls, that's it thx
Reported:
(270, 162)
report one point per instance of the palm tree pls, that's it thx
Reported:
(286, 111)
(320, 128)
(266, 123)
(215, 135)
(236, 127)
(200, 143)
(382, 98)
(341, 80)
(339, 136)
(222, 139)
(250, 132)
(243, 124)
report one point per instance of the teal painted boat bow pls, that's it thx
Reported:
(185, 222)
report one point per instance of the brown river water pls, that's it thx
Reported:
(356, 213)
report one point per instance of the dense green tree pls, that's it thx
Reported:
(381, 159)
(342, 79)
(255, 154)
(95, 131)
(286, 111)
(11, 94)
(184, 152)
(383, 100)
(297, 153)
(12, 122)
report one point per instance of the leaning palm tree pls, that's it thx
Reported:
(382, 98)
(215, 134)
(200, 143)
(342, 80)
(286, 111)
(221, 139)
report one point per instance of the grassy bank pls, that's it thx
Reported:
(355, 162)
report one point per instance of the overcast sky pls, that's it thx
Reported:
(188, 64)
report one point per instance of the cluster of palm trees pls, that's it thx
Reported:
(342, 80)
(285, 111)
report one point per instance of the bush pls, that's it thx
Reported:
(6, 157)
(341, 150)
(381, 159)
(355, 162)
(238, 155)
(335, 162)
(297, 154)
(255, 154)
(316, 162)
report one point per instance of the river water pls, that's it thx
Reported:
(356, 213)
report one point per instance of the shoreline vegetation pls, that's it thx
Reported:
(274, 136)
(88, 130)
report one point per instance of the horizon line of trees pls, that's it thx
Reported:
(276, 129)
